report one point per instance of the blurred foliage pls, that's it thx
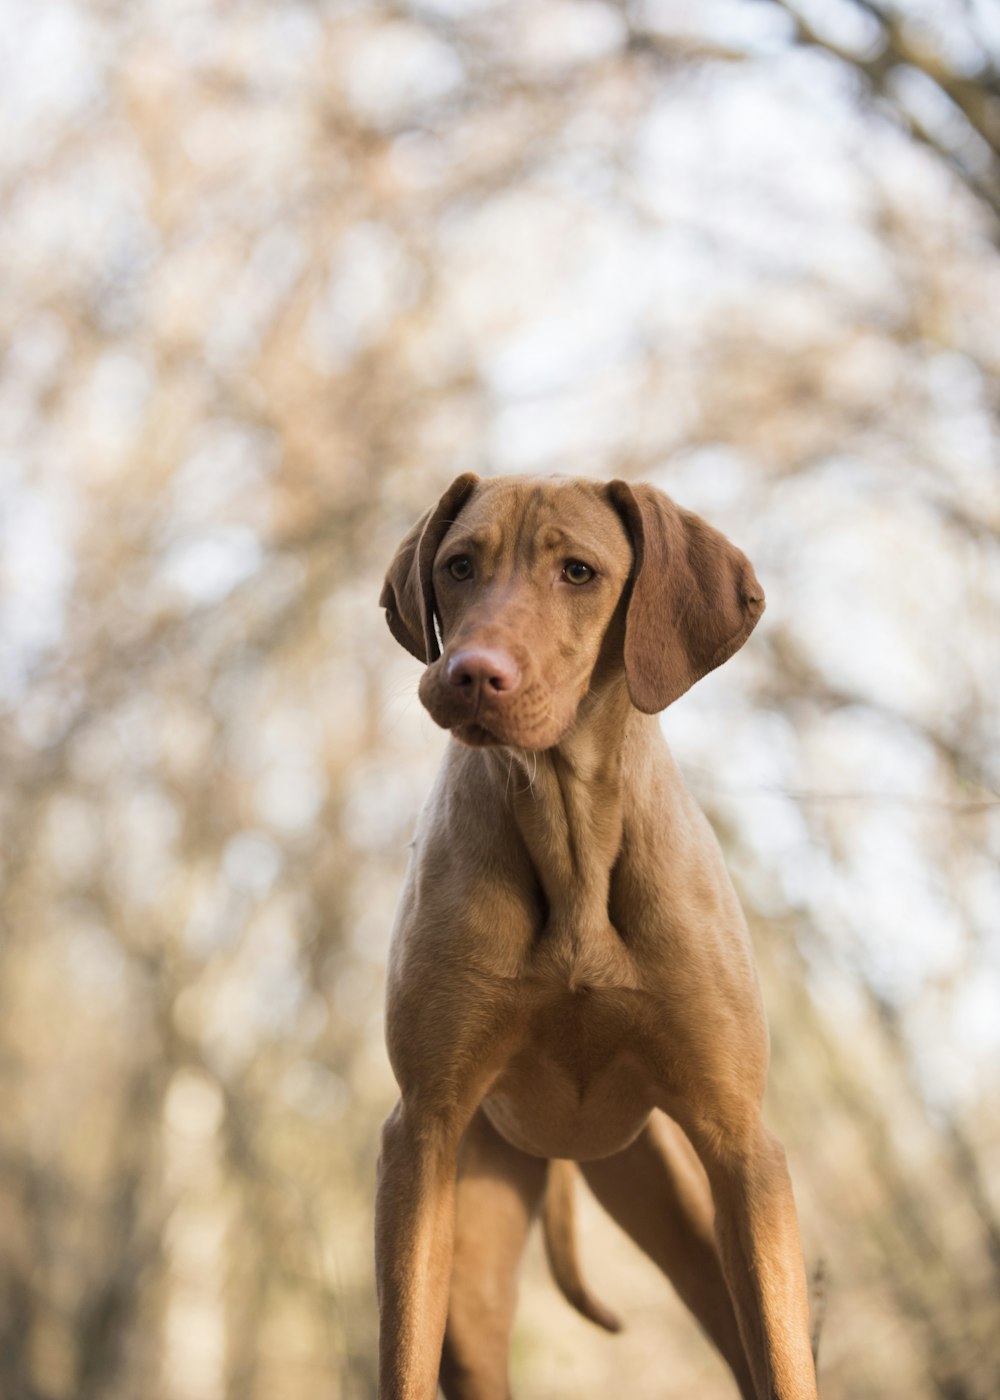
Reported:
(270, 275)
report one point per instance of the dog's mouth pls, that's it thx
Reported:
(476, 735)
(490, 725)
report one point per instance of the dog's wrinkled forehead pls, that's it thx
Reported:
(518, 520)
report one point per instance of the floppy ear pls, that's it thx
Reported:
(695, 597)
(408, 591)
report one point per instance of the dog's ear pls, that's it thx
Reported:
(408, 591)
(695, 597)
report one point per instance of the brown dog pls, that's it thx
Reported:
(571, 976)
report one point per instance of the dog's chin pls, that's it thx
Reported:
(476, 735)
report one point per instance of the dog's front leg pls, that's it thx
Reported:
(414, 1238)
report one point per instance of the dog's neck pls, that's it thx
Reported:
(567, 804)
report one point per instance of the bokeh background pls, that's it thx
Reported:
(272, 272)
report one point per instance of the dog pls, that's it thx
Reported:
(570, 978)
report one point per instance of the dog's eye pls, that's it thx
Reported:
(460, 567)
(576, 572)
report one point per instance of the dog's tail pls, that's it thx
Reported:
(558, 1228)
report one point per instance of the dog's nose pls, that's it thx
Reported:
(483, 671)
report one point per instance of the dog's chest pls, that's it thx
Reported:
(576, 1088)
(578, 951)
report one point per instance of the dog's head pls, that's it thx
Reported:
(540, 586)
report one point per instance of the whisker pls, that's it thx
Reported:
(530, 773)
